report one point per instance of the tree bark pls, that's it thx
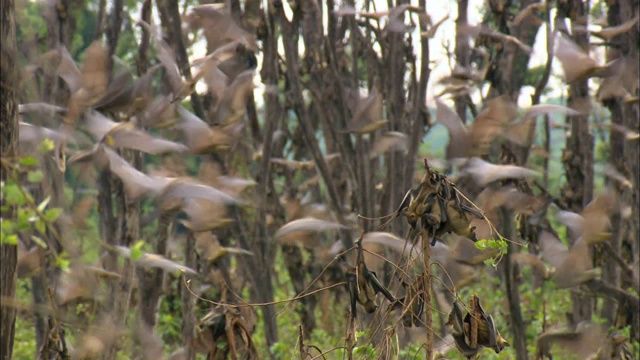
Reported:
(170, 18)
(507, 78)
(189, 320)
(578, 153)
(8, 150)
(462, 54)
(624, 155)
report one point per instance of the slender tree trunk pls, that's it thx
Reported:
(189, 320)
(507, 78)
(578, 153)
(8, 149)
(462, 54)
(624, 155)
(170, 18)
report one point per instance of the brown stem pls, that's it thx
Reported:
(426, 259)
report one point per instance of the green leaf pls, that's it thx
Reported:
(52, 214)
(13, 195)
(22, 218)
(28, 161)
(7, 226)
(136, 250)
(482, 244)
(41, 226)
(9, 239)
(490, 261)
(46, 146)
(39, 241)
(35, 176)
(44, 204)
(62, 263)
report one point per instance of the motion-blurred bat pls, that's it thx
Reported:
(576, 62)
(622, 82)
(526, 12)
(525, 258)
(126, 135)
(88, 85)
(307, 224)
(151, 344)
(220, 27)
(614, 174)
(572, 266)
(476, 138)
(593, 223)
(395, 21)
(124, 94)
(137, 183)
(159, 113)
(608, 33)
(475, 31)
(485, 173)
(29, 260)
(34, 135)
(179, 87)
(511, 198)
(204, 215)
(233, 102)
(199, 137)
(210, 174)
(41, 110)
(293, 164)
(628, 133)
(147, 260)
(393, 242)
(581, 342)
(211, 250)
(431, 32)
(367, 116)
(98, 337)
(388, 141)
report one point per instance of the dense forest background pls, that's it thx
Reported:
(320, 180)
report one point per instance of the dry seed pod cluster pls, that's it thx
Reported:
(435, 205)
(474, 330)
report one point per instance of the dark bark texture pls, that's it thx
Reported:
(8, 150)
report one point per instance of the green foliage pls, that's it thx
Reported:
(17, 200)
(137, 250)
(32, 24)
(24, 346)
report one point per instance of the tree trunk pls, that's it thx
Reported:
(624, 155)
(462, 54)
(578, 153)
(170, 18)
(507, 78)
(8, 150)
(189, 320)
